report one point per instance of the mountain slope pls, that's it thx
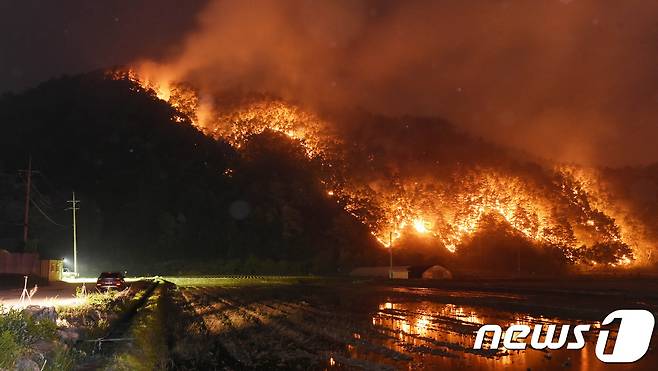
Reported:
(154, 189)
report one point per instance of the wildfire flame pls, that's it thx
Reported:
(420, 226)
(449, 211)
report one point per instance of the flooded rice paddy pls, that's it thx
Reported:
(384, 326)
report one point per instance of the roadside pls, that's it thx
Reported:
(51, 332)
(54, 294)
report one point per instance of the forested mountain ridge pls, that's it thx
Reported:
(155, 190)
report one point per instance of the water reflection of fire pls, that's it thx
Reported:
(449, 329)
(420, 321)
(459, 313)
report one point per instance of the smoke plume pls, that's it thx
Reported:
(566, 80)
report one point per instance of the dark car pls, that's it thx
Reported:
(111, 280)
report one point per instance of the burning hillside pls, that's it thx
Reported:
(419, 177)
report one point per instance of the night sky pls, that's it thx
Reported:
(43, 39)
(565, 80)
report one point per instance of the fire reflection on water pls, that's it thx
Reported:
(443, 334)
(412, 323)
(419, 322)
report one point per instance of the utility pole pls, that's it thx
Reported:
(74, 208)
(390, 254)
(28, 187)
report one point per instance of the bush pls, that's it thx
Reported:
(19, 331)
(25, 329)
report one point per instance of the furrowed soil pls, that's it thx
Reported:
(317, 324)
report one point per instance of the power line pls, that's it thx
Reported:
(43, 198)
(45, 215)
(50, 183)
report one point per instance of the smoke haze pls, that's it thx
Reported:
(566, 80)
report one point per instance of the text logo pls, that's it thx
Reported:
(632, 342)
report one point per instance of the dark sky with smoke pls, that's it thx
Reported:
(569, 80)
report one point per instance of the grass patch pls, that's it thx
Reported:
(11, 350)
(240, 282)
(36, 339)
(19, 334)
(148, 350)
(93, 317)
(62, 358)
